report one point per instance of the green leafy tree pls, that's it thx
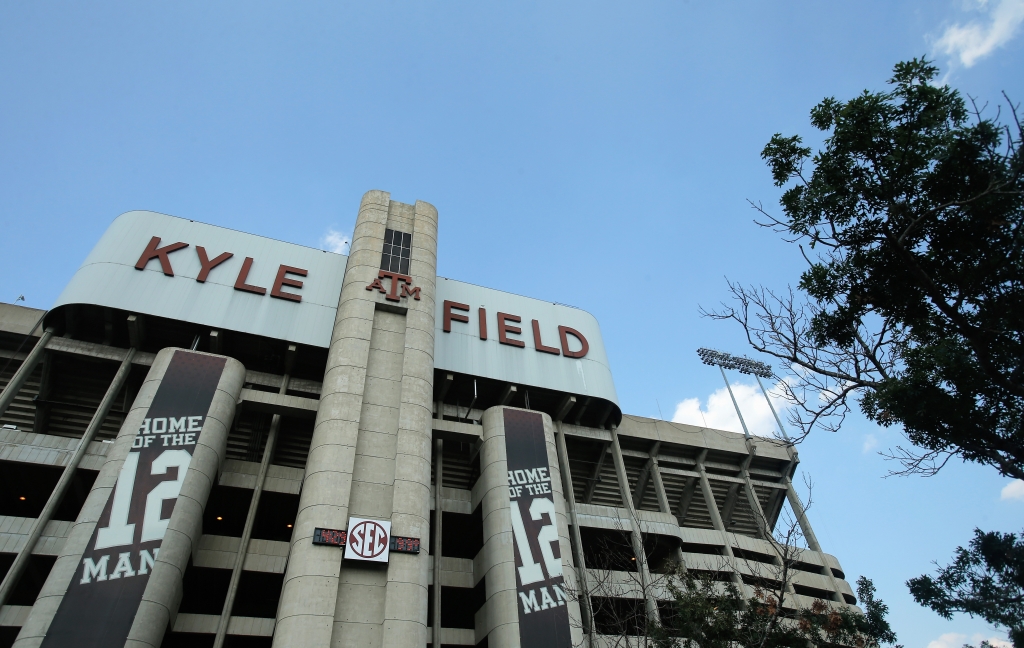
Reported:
(910, 218)
(985, 580)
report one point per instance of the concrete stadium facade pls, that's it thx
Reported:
(218, 439)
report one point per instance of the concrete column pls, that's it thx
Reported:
(663, 503)
(53, 590)
(435, 546)
(24, 371)
(162, 597)
(405, 604)
(759, 515)
(586, 608)
(370, 452)
(250, 519)
(755, 505)
(637, 535)
(499, 618)
(812, 540)
(14, 573)
(161, 591)
(716, 520)
(306, 611)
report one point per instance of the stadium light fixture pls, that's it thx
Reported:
(741, 364)
(744, 365)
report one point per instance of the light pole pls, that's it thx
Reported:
(743, 365)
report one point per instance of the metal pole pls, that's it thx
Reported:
(746, 432)
(23, 372)
(774, 413)
(14, 573)
(250, 520)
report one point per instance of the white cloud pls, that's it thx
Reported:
(334, 241)
(870, 443)
(1013, 491)
(976, 39)
(948, 640)
(956, 640)
(719, 413)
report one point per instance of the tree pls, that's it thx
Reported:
(704, 605)
(912, 217)
(708, 615)
(912, 303)
(986, 579)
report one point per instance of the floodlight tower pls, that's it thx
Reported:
(744, 365)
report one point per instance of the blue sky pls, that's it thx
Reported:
(597, 154)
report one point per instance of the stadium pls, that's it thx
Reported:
(218, 439)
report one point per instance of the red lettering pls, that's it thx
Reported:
(449, 316)
(282, 281)
(376, 285)
(483, 324)
(414, 293)
(504, 329)
(537, 342)
(563, 331)
(396, 280)
(206, 264)
(243, 274)
(153, 252)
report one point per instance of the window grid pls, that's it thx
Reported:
(397, 249)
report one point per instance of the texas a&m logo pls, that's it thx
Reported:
(398, 281)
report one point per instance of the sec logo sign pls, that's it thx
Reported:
(368, 540)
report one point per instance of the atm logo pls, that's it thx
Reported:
(398, 282)
(162, 254)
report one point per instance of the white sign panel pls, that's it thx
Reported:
(494, 334)
(368, 540)
(184, 270)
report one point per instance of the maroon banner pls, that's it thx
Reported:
(543, 614)
(103, 597)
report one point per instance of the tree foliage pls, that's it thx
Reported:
(709, 614)
(910, 217)
(985, 580)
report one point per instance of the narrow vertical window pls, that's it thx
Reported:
(397, 249)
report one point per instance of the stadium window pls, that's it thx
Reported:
(397, 249)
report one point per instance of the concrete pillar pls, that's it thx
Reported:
(663, 503)
(405, 604)
(636, 536)
(499, 620)
(64, 569)
(716, 520)
(579, 559)
(100, 415)
(812, 540)
(762, 519)
(24, 371)
(435, 541)
(370, 452)
(250, 519)
(163, 593)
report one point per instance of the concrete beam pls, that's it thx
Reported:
(564, 407)
(136, 330)
(596, 475)
(261, 401)
(507, 394)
